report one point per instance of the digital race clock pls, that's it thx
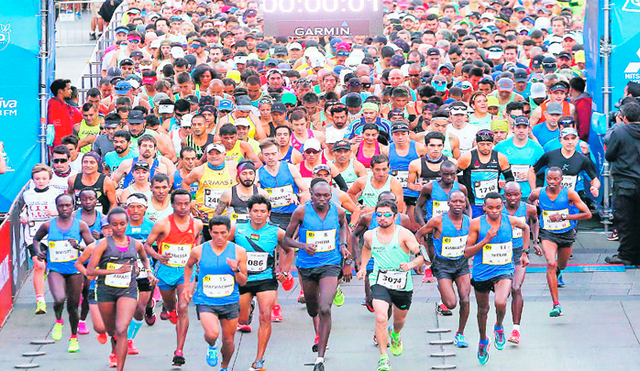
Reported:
(338, 18)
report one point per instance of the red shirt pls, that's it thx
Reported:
(61, 116)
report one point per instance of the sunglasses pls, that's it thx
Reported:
(524, 32)
(134, 41)
(366, 85)
(445, 72)
(386, 215)
(439, 83)
(223, 112)
(60, 160)
(311, 152)
(526, 112)
(414, 75)
(500, 41)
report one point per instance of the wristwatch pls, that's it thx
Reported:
(348, 262)
(237, 270)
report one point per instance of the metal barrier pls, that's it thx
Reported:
(92, 73)
(73, 21)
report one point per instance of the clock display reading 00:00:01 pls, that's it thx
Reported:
(319, 6)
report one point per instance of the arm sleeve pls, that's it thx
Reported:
(341, 183)
(541, 163)
(611, 154)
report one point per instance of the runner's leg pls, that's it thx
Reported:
(125, 307)
(73, 287)
(502, 289)
(328, 287)
(108, 314)
(96, 319)
(563, 257)
(228, 346)
(38, 277)
(517, 302)
(84, 310)
(266, 300)
(381, 309)
(183, 318)
(550, 250)
(245, 308)
(211, 328)
(482, 298)
(447, 294)
(57, 286)
(464, 289)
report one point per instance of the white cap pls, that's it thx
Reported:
(242, 122)
(165, 108)
(538, 90)
(294, 45)
(186, 121)
(317, 60)
(555, 48)
(312, 143)
(177, 52)
(155, 43)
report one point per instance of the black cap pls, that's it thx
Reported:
(127, 61)
(536, 62)
(565, 54)
(278, 107)
(262, 46)
(521, 120)
(520, 75)
(353, 100)
(136, 117)
(341, 144)
(140, 165)
(399, 126)
(433, 51)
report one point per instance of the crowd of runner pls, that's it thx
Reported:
(210, 157)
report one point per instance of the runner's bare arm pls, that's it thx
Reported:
(357, 187)
(432, 225)
(423, 198)
(473, 245)
(110, 190)
(194, 258)
(241, 257)
(519, 223)
(408, 240)
(225, 199)
(366, 254)
(85, 233)
(584, 213)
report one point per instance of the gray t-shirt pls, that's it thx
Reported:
(102, 145)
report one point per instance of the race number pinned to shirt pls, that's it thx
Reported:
(402, 176)
(569, 181)
(119, 280)
(62, 251)
(179, 254)
(520, 172)
(236, 217)
(218, 285)
(497, 253)
(393, 280)
(484, 182)
(440, 207)
(280, 196)
(555, 226)
(212, 197)
(257, 261)
(517, 232)
(453, 247)
(324, 240)
(142, 271)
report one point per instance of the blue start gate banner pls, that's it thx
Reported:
(20, 36)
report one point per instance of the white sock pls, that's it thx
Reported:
(516, 327)
(319, 360)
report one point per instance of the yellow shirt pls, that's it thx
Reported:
(211, 186)
(85, 131)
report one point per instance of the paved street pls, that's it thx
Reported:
(602, 313)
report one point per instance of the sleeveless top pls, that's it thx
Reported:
(452, 241)
(216, 280)
(212, 185)
(481, 178)
(178, 243)
(287, 157)
(561, 205)
(566, 110)
(61, 256)
(113, 258)
(295, 143)
(387, 259)
(235, 153)
(129, 177)
(97, 224)
(85, 131)
(349, 174)
(199, 149)
(399, 166)
(280, 188)
(426, 173)
(370, 194)
(496, 257)
(322, 232)
(361, 157)
(238, 207)
(439, 202)
(98, 187)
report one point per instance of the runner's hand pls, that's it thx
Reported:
(362, 273)
(492, 233)
(419, 270)
(524, 260)
(124, 269)
(233, 264)
(187, 293)
(310, 248)
(42, 256)
(555, 217)
(281, 277)
(152, 279)
(347, 273)
(346, 254)
(95, 234)
(164, 259)
(595, 191)
(537, 248)
(74, 243)
(405, 267)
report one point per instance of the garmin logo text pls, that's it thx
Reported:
(8, 107)
(323, 31)
(5, 272)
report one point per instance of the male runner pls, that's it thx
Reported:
(260, 238)
(448, 263)
(234, 200)
(527, 213)
(490, 243)
(323, 255)
(391, 247)
(222, 267)
(176, 235)
(558, 228)
(369, 187)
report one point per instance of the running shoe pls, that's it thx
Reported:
(178, 358)
(92, 36)
(483, 352)
(428, 276)
(369, 306)
(363, 302)
(82, 328)
(383, 363)
(173, 317)
(244, 328)
(257, 366)
(613, 236)
(515, 337)
(56, 334)
(318, 366)
(212, 356)
(74, 347)
(560, 280)
(500, 339)
(396, 344)
(338, 300)
(79, 15)
(301, 299)
(442, 309)
(556, 311)
(149, 315)
(131, 347)
(41, 307)
(276, 313)
(253, 307)
(314, 347)
(113, 360)
(460, 341)
(164, 315)
(102, 338)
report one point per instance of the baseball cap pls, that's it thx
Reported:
(565, 54)
(521, 120)
(312, 143)
(549, 63)
(113, 72)
(278, 107)
(554, 108)
(126, 62)
(579, 57)
(458, 108)
(136, 117)
(271, 62)
(242, 122)
(566, 121)
(341, 144)
(111, 123)
(294, 46)
(568, 131)
(399, 126)
(122, 29)
(520, 75)
(484, 136)
(318, 168)
(123, 87)
(225, 105)
(536, 62)
(560, 85)
(280, 50)
(433, 51)
(243, 103)
(538, 90)
(492, 101)
(141, 165)
(262, 46)
(165, 106)
(499, 125)
(185, 122)
(353, 100)
(289, 98)
(505, 84)
(217, 146)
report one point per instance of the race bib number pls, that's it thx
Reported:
(38, 212)
(520, 172)
(569, 181)
(218, 285)
(393, 280)
(482, 188)
(517, 232)
(179, 254)
(453, 247)
(324, 240)
(62, 251)
(554, 226)
(212, 197)
(235, 216)
(280, 196)
(440, 207)
(402, 176)
(257, 261)
(497, 253)
(119, 280)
